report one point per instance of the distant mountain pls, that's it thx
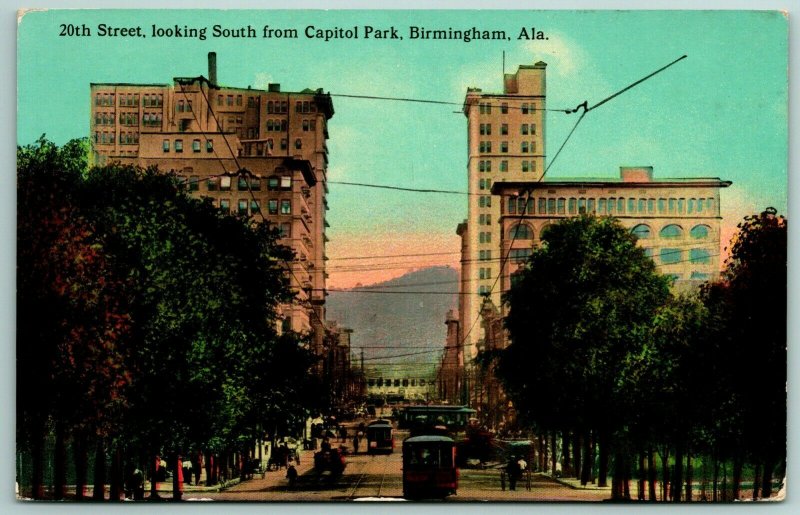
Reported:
(398, 317)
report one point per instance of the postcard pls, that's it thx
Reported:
(401, 255)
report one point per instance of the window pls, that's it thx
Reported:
(224, 183)
(560, 206)
(504, 166)
(519, 255)
(524, 147)
(551, 206)
(286, 230)
(212, 184)
(533, 128)
(298, 143)
(225, 205)
(242, 207)
(620, 205)
(165, 145)
(255, 184)
(254, 207)
(230, 100)
(642, 207)
(651, 205)
(691, 206)
(699, 231)
(590, 205)
(701, 276)
(504, 129)
(572, 205)
(504, 108)
(195, 145)
(681, 204)
(194, 183)
(699, 256)
(662, 205)
(520, 232)
(209, 145)
(670, 256)
(242, 184)
(525, 166)
(178, 145)
(238, 100)
(631, 205)
(671, 231)
(524, 108)
(481, 203)
(286, 207)
(524, 129)
(486, 129)
(542, 206)
(601, 206)
(286, 182)
(504, 147)
(272, 206)
(641, 231)
(612, 205)
(671, 205)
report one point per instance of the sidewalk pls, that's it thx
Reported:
(576, 483)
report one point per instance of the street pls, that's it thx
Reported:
(379, 477)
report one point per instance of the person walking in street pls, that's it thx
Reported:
(356, 441)
(291, 475)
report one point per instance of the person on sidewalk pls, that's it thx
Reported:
(513, 471)
(291, 475)
(356, 441)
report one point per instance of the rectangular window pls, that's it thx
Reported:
(651, 205)
(542, 205)
(662, 205)
(525, 166)
(504, 108)
(212, 184)
(524, 108)
(272, 206)
(631, 205)
(196, 145)
(224, 183)
(238, 100)
(242, 184)
(503, 166)
(254, 207)
(590, 205)
(166, 145)
(691, 206)
(179, 145)
(286, 207)
(504, 147)
(524, 129)
(642, 207)
(286, 182)
(672, 205)
(551, 206)
(230, 100)
(533, 128)
(581, 205)
(601, 206)
(286, 230)
(242, 207)
(561, 208)
(209, 145)
(572, 206)
(504, 129)
(225, 205)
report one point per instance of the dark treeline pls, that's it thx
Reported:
(146, 326)
(683, 396)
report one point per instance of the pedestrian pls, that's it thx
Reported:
(291, 475)
(356, 441)
(343, 433)
(512, 469)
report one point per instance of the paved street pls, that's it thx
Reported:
(380, 476)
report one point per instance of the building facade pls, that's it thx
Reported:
(505, 141)
(256, 152)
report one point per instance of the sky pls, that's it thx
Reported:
(721, 112)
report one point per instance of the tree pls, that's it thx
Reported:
(750, 301)
(583, 303)
(71, 321)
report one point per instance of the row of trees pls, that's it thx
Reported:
(604, 355)
(146, 321)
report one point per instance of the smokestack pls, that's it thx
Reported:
(212, 67)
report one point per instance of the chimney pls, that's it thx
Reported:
(212, 67)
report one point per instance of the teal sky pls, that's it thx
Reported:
(721, 112)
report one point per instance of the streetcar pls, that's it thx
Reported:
(380, 437)
(423, 418)
(429, 467)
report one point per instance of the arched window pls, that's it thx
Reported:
(671, 231)
(641, 231)
(521, 232)
(699, 256)
(699, 231)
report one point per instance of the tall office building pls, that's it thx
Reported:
(505, 134)
(208, 134)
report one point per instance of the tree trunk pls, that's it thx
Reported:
(616, 477)
(116, 489)
(677, 482)
(626, 479)
(542, 453)
(664, 473)
(715, 485)
(155, 465)
(37, 463)
(566, 466)
(554, 453)
(99, 493)
(766, 480)
(724, 481)
(588, 459)
(602, 466)
(59, 464)
(81, 464)
(736, 477)
(757, 481)
(576, 453)
(689, 474)
(177, 478)
(651, 475)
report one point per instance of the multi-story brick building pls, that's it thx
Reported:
(677, 221)
(505, 135)
(257, 152)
